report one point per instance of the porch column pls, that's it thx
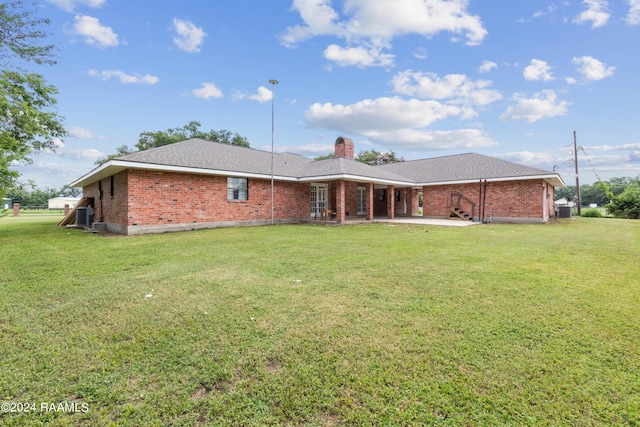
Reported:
(424, 201)
(340, 201)
(369, 201)
(391, 201)
(414, 201)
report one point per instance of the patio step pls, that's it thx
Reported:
(459, 213)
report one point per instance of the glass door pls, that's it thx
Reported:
(319, 203)
(362, 201)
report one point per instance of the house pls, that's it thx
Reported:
(59, 202)
(563, 201)
(202, 184)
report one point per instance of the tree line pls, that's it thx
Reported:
(596, 193)
(620, 196)
(39, 197)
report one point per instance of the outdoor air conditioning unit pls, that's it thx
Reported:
(84, 216)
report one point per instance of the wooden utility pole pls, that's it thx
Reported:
(575, 154)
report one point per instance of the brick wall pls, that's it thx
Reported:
(139, 198)
(165, 198)
(517, 200)
(113, 208)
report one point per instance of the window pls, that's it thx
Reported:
(362, 201)
(237, 189)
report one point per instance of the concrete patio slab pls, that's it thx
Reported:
(417, 220)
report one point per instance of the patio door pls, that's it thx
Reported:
(362, 201)
(319, 203)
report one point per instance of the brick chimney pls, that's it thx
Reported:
(344, 148)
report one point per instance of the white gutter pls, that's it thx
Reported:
(549, 178)
(356, 178)
(115, 166)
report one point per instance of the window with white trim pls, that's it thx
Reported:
(237, 189)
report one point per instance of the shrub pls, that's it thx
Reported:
(627, 204)
(592, 213)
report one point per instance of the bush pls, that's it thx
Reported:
(592, 213)
(627, 204)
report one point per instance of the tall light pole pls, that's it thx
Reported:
(273, 83)
(575, 153)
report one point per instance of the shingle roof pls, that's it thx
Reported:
(197, 155)
(342, 166)
(461, 167)
(201, 154)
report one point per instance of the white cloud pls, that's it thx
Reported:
(381, 114)
(538, 70)
(529, 158)
(82, 133)
(426, 140)
(375, 23)
(593, 69)
(207, 91)
(597, 13)
(633, 17)
(542, 105)
(421, 53)
(70, 5)
(124, 77)
(487, 66)
(358, 56)
(539, 14)
(457, 88)
(188, 36)
(262, 95)
(397, 123)
(82, 154)
(94, 33)
(607, 147)
(320, 19)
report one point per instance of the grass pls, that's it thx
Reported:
(323, 326)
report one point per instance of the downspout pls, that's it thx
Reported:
(484, 199)
(100, 197)
(480, 201)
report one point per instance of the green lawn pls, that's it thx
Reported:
(323, 326)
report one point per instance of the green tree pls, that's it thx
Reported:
(28, 120)
(153, 139)
(69, 191)
(123, 150)
(20, 36)
(35, 197)
(374, 157)
(191, 130)
(568, 192)
(626, 204)
(325, 157)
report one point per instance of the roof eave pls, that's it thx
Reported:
(114, 166)
(356, 178)
(553, 179)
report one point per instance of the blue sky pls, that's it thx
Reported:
(423, 78)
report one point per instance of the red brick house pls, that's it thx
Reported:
(202, 184)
